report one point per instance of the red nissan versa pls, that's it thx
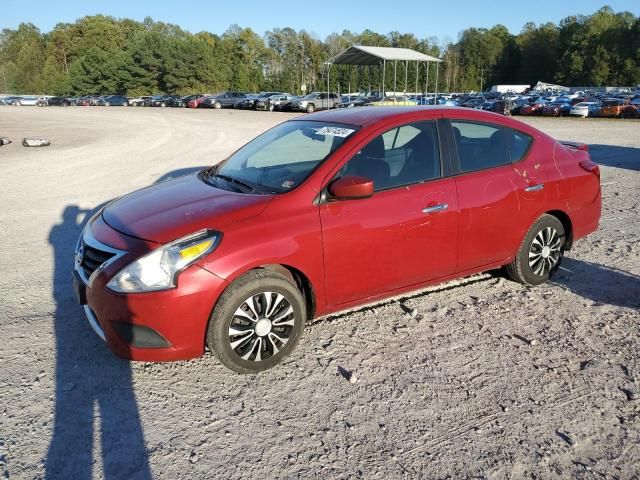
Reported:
(322, 213)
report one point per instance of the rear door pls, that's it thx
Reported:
(406, 233)
(487, 198)
(501, 190)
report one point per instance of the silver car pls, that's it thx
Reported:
(585, 109)
(317, 101)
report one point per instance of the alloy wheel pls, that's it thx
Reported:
(545, 251)
(261, 326)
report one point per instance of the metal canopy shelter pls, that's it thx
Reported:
(371, 56)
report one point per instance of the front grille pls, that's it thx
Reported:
(92, 258)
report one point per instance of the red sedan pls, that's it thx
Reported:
(534, 109)
(322, 213)
(196, 102)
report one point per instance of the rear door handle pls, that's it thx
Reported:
(534, 188)
(436, 208)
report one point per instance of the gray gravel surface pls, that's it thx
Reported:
(478, 378)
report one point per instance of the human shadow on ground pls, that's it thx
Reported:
(614, 156)
(94, 395)
(599, 283)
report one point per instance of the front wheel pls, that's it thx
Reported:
(217, 105)
(257, 322)
(311, 108)
(540, 253)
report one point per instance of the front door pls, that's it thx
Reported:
(403, 235)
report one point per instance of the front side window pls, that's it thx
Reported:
(480, 145)
(401, 156)
(280, 159)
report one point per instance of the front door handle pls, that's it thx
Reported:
(436, 208)
(534, 188)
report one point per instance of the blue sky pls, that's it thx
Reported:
(423, 18)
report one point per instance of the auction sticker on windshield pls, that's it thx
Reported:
(334, 131)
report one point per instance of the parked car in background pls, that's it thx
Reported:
(263, 101)
(142, 101)
(174, 101)
(186, 99)
(517, 105)
(556, 109)
(585, 109)
(247, 102)
(28, 100)
(10, 100)
(95, 100)
(83, 101)
(612, 108)
(195, 102)
(323, 213)
(274, 102)
(113, 101)
(223, 100)
(58, 102)
(503, 107)
(285, 103)
(316, 101)
(162, 100)
(632, 109)
(359, 100)
(534, 109)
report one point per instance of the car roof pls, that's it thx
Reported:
(367, 116)
(362, 116)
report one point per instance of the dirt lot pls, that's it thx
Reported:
(490, 380)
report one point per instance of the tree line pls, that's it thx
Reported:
(101, 54)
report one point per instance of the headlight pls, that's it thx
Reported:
(159, 269)
(303, 104)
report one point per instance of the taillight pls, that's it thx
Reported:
(590, 166)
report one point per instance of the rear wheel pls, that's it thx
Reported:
(540, 253)
(257, 322)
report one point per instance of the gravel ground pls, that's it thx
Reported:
(490, 379)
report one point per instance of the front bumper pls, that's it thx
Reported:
(154, 326)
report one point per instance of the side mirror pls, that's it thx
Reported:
(351, 187)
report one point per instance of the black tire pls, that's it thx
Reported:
(217, 105)
(520, 269)
(247, 286)
(311, 108)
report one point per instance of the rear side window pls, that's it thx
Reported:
(480, 145)
(519, 144)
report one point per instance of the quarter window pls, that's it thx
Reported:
(400, 156)
(518, 144)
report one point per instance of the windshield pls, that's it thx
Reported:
(280, 159)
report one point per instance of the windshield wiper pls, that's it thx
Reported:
(235, 181)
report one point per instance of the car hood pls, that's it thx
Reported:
(175, 208)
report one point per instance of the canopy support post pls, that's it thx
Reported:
(384, 75)
(417, 71)
(426, 82)
(406, 73)
(328, 75)
(395, 80)
(435, 98)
